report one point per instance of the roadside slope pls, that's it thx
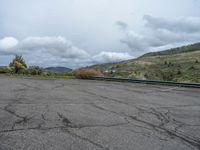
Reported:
(179, 64)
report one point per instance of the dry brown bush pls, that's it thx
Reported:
(86, 73)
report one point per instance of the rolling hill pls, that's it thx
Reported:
(180, 64)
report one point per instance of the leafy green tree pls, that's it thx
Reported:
(18, 64)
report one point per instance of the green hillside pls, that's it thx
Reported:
(179, 64)
(178, 50)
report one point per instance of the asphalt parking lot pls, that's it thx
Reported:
(50, 114)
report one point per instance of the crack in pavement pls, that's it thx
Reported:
(163, 118)
(39, 127)
(60, 85)
(22, 121)
(86, 140)
(67, 124)
(65, 121)
(146, 134)
(143, 118)
(194, 141)
(66, 129)
(30, 128)
(191, 140)
(105, 97)
(30, 86)
(6, 108)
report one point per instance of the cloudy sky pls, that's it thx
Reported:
(74, 33)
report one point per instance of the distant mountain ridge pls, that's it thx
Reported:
(58, 69)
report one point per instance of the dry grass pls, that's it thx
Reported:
(86, 73)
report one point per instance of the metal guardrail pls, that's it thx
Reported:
(168, 83)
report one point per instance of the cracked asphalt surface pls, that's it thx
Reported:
(52, 114)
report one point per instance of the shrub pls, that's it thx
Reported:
(24, 71)
(146, 75)
(5, 69)
(86, 73)
(18, 64)
(170, 64)
(35, 70)
(49, 73)
(68, 74)
(179, 72)
(167, 76)
(117, 66)
(192, 68)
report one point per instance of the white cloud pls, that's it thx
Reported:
(56, 46)
(159, 33)
(182, 25)
(56, 51)
(8, 42)
(90, 25)
(108, 57)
